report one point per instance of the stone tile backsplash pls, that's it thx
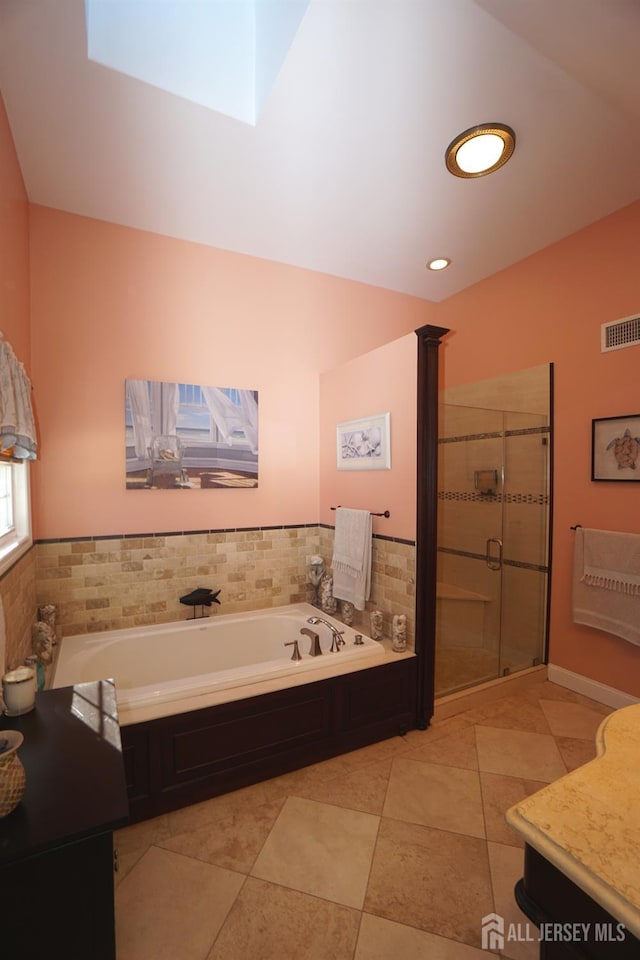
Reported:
(126, 582)
(392, 581)
(131, 582)
(18, 593)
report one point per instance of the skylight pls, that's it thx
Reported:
(222, 54)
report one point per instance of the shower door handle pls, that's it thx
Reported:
(494, 562)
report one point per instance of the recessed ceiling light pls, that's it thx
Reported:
(480, 150)
(440, 263)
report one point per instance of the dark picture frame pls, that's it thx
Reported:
(615, 448)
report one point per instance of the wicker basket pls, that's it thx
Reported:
(12, 776)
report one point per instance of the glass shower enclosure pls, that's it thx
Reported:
(493, 536)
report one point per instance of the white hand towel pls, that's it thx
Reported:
(352, 556)
(606, 582)
(611, 560)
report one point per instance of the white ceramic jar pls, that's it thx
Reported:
(19, 691)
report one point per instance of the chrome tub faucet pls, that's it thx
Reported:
(337, 640)
(314, 649)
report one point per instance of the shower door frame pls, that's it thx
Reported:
(429, 338)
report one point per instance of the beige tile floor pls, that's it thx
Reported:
(394, 851)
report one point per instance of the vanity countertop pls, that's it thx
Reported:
(587, 824)
(72, 756)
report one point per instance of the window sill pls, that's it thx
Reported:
(11, 552)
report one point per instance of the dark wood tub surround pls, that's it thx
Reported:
(185, 758)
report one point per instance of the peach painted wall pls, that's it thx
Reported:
(549, 308)
(383, 380)
(18, 585)
(14, 246)
(109, 303)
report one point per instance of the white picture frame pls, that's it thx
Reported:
(365, 444)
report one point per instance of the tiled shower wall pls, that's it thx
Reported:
(119, 582)
(495, 424)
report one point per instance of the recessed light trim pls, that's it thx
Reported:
(480, 150)
(439, 263)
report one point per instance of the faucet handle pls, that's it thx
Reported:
(314, 648)
(337, 641)
(296, 655)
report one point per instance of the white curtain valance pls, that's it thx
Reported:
(17, 426)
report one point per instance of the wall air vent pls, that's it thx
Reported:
(620, 333)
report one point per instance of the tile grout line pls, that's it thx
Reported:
(404, 747)
(228, 914)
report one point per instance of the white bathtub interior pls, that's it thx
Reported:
(165, 662)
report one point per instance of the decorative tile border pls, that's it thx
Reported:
(175, 533)
(496, 434)
(535, 499)
(465, 437)
(528, 431)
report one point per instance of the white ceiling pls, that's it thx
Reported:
(344, 172)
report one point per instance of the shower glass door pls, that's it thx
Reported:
(526, 535)
(493, 512)
(470, 547)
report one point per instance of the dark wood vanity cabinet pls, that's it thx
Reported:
(56, 848)
(546, 896)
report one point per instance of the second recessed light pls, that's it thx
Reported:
(440, 263)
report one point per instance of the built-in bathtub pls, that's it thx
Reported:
(169, 662)
(211, 705)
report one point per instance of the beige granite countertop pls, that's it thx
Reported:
(587, 824)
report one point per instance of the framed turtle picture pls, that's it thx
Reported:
(615, 448)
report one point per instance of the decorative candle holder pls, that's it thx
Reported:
(43, 640)
(376, 618)
(327, 600)
(347, 611)
(399, 641)
(314, 575)
(19, 691)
